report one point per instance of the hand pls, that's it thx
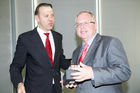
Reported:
(70, 85)
(84, 73)
(21, 88)
(61, 81)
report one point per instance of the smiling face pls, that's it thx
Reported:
(45, 18)
(85, 26)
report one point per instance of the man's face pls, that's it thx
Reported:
(85, 27)
(45, 18)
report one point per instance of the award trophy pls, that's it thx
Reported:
(67, 78)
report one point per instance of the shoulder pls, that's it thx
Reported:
(56, 33)
(109, 39)
(28, 33)
(111, 42)
(77, 49)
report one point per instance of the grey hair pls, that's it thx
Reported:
(88, 12)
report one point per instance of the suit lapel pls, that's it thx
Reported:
(38, 47)
(76, 55)
(92, 49)
(56, 46)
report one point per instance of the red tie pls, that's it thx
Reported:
(83, 53)
(48, 48)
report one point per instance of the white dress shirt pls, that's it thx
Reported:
(43, 38)
(89, 42)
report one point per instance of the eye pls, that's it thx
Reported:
(86, 23)
(52, 15)
(46, 15)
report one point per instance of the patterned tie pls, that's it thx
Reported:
(84, 51)
(48, 48)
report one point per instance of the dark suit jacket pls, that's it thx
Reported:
(31, 52)
(110, 66)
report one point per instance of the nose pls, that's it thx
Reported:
(51, 18)
(82, 26)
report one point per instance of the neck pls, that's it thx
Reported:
(46, 30)
(85, 39)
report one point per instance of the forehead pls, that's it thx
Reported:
(84, 17)
(45, 9)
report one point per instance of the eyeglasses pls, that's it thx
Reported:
(84, 24)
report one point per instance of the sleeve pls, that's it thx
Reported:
(117, 70)
(18, 63)
(64, 62)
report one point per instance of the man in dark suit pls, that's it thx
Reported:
(42, 67)
(102, 59)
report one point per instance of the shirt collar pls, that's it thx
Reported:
(89, 41)
(40, 31)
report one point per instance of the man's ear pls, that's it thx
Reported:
(37, 18)
(96, 26)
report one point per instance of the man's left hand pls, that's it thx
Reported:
(84, 73)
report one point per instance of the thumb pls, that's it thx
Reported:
(82, 65)
(61, 81)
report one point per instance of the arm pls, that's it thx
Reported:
(117, 70)
(64, 62)
(18, 63)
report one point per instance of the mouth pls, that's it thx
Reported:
(83, 32)
(51, 24)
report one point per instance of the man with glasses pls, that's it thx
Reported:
(102, 59)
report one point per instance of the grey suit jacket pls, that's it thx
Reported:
(110, 66)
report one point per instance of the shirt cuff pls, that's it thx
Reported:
(92, 76)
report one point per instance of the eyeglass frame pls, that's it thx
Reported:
(84, 23)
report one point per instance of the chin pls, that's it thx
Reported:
(50, 28)
(83, 36)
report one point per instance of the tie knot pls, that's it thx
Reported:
(85, 45)
(47, 34)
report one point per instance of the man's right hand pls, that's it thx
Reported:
(21, 88)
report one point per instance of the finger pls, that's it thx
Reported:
(76, 68)
(75, 86)
(72, 63)
(82, 65)
(70, 85)
(75, 74)
(77, 77)
(67, 86)
(79, 80)
(61, 81)
(24, 91)
(72, 66)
